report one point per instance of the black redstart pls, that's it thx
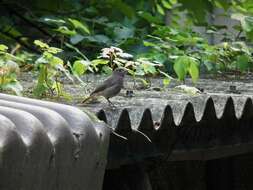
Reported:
(110, 87)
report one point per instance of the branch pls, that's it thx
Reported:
(17, 14)
(18, 40)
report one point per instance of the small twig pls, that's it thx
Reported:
(15, 49)
(18, 40)
(57, 87)
(17, 14)
(238, 35)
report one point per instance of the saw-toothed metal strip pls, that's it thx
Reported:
(215, 134)
(45, 145)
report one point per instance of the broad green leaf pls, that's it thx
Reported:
(106, 69)
(41, 44)
(194, 70)
(150, 18)
(54, 50)
(66, 31)
(80, 67)
(14, 86)
(76, 39)
(54, 61)
(123, 7)
(160, 9)
(242, 62)
(149, 44)
(79, 25)
(209, 65)
(225, 4)
(42, 60)
(53, 21)
(99, 62)
(166, 4)
(148, 68)
(98, 38)
(181, 66)
(197, 9)
(247, 23)
(122, 32)
(3, 47)
(173, 1)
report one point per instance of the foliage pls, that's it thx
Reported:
(9, 69)
(82, 28)
(50, 69)
(172, 46)
(227, 56)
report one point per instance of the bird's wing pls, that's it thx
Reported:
(107, 83)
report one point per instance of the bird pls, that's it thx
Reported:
(110, 87)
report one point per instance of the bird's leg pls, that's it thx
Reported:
(110, 102)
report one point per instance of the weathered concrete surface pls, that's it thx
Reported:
(223, 168)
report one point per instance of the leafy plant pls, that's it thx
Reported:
(50, 68)
(9, 69)
(176, 47)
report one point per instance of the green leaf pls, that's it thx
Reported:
(66, 31)
(194, 70)
(149, 44)
(76, 39)
(246, 23)
(98, 38)
(41, 44)
(150, 18)
(14, 86)
(181, 66)
(99, 62)
(56, 61)
(166, 4)
(225, 4)
(54, 50)
(122, 32)
(148, 68)
(166, 82)
(106, 69)
(160, 9)
(52, 21)
(3, 47)
(80, 67)
(242, 62)
(123, 7)
(81, 26)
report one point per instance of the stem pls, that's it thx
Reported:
(238, 35)
(2, 80)
(57, 87)
(46, 81)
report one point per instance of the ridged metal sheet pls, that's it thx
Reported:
(197, 130)
(45, 145)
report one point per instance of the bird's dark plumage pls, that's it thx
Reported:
(111, 86)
